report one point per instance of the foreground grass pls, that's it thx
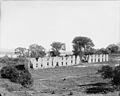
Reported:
(74, 81)
(65, 81)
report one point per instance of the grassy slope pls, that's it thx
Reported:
(60, 81)
(63, 79)
(49, 80)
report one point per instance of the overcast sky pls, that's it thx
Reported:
(42, 22)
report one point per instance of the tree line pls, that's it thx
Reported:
(81, 46)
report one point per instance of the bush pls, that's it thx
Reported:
(106, 72)
(13, 61)
(25, 78)
(113, 74)
(22, 77)
(9, 72)
(116, 76)
(4, 59)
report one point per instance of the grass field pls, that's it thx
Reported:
(80, 80)
(74, 81)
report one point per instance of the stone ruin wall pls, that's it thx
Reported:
(51, 62)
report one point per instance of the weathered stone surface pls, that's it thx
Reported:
(49, 62)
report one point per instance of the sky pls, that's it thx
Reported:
(41, 22)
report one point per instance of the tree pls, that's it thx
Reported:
(81, 44)
(90, 51)
(112, 48)
(102, 51)
(20, 52)
(118, 44)
(56, 47)
(36, 51)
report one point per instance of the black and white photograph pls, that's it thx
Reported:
(59, 48)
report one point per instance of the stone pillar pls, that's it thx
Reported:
(64, 61)
(93, 57)
(78, 60)
(47, 61)
(73, 58)
(96, 57)
(87, 58)
(34, 62)
(89, 61)
(60, 61)
(107, 57)
(104, 57)
(50, 62)
(44, 62)
(100, 57)
(39, 63)
(54, 61)
(69, 61)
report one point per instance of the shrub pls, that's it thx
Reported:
(116, 76)
(25, 78)
(22, 77)
(13, 61)
(9, 72)
(4, 59)
(113, 74)
(106, 72)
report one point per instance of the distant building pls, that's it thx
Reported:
(66, 53)
(62, 53)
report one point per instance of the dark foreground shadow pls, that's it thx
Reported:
(96, 90)
(99, 88)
